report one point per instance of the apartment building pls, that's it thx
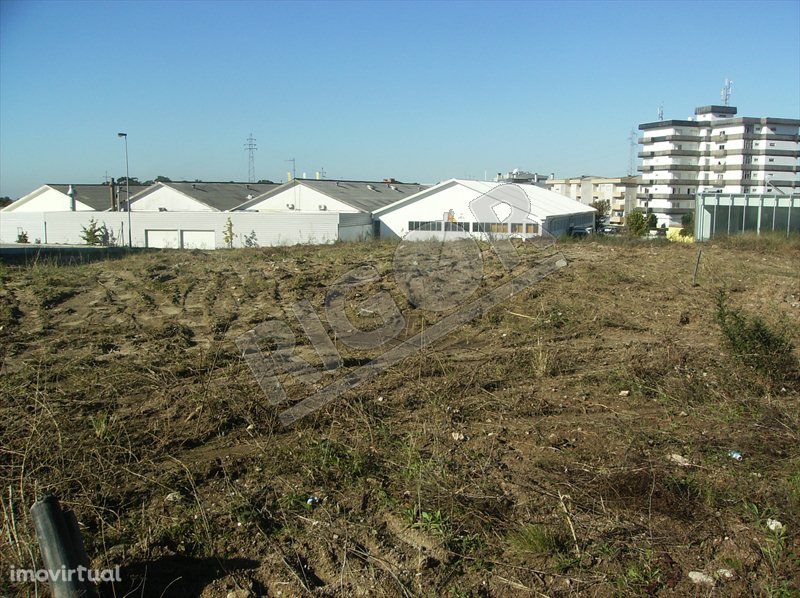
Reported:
(620, 192)
(715, 152)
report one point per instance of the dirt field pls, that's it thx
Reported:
(572, 440)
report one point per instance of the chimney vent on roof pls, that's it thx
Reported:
(112, 192)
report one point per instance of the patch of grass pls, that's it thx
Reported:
(538, 539)
(755, 343)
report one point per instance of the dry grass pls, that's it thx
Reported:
(121, 386)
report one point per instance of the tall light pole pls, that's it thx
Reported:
(127, 188)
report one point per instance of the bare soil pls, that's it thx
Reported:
(572, 440)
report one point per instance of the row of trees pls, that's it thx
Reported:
(639, 222)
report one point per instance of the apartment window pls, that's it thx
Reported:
(748, 175)
(720, 147)
(424, 225)
(532, 228)
(772, 159)
(772, 144)
(456, 226)
(517, 227)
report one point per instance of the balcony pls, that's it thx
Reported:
(718, 167)
(671, 196)
(646, 140)
(719, 153)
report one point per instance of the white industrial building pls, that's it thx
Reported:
(329, 195)
(198, 196)
(449, 210)
(72, 198)
(620, 192)
(714, 152)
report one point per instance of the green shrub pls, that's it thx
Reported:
(636, 223)
(755, 343)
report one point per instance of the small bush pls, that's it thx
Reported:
(22, 237)
(753, 342)
(93, 234)
(636, 223)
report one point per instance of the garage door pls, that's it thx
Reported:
(197, 239)
(162, 238)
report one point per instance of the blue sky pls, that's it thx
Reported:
(418, 91)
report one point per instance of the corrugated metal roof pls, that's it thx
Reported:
(544, 202)
(366, 196)
(221, 196)
(97, 197)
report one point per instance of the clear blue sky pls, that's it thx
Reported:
(418, 91)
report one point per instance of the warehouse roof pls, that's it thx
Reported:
(544, 203)
(367, 196)
(97, 197)
(218, 196)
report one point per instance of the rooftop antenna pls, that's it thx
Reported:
(322, 172)
(250, 146)
(661, 112)
(725, 94)
(633, 141)
(294, 167)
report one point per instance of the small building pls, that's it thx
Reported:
(523, 177)
(718, 214)
(620, 192)
(448, 210)
(197, 196)
(329, 195)
(72, 198)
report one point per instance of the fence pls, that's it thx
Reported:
(205, 230)
(729, 214)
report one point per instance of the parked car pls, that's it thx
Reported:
(579, 231)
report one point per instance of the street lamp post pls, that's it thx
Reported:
(127, 188)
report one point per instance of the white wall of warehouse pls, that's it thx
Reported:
(301, 198)
(169, 199)
(194, 228)
(47, 199)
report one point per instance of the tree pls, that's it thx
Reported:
(94, 234)
(637, 224)
(603, 207)
(5, 201)
(264, 182)
(22, 236)
(121, 181)
(687, 225)
(227, 233)
(162, 179)
(652, 221)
